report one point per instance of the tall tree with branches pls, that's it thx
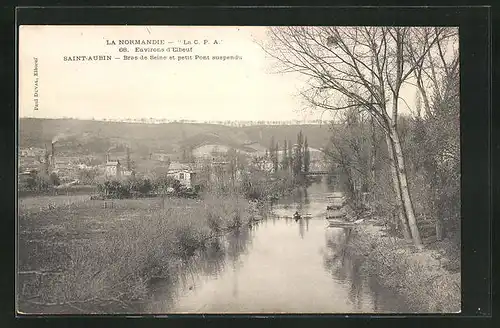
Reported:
(284, 157)
(364, 68)
(307, 156)
(298, 157)
(276, 157)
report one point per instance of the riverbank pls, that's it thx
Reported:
(421, 277)
(84, 257)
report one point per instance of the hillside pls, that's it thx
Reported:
(98, 137)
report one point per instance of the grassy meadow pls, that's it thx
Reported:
(79, 256)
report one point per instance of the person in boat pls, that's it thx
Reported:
(297, 216)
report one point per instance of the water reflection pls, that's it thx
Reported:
(306, 197)
(337, 243)
(301, 228)
(209, 263)
(267, 267)
(238, 242)
(344, 264)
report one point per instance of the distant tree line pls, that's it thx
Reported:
(40, 181)
(239, 123)
(295, 158)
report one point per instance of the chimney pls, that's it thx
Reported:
(46, 160)
(128, 158)
(53, 159)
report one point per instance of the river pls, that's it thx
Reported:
(278, 266)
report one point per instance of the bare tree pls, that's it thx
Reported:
(351, 149)
(364, 68)
(434, 76)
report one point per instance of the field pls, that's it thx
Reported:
(78, 256)
(40, 203)
(72, 191)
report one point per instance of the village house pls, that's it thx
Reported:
(31, 152)
(254, 148)
(62, 163)
(160, 157)
(208, 151)
(83, 166)
(64, 168)
(22, 178)
(127, 173)
(267, 165)
(182, 172)
(113, 168)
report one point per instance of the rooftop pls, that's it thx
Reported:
(176, 166)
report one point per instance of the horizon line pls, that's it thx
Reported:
(188, 121)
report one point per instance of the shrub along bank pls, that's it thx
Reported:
(143, 187)
(421, 277)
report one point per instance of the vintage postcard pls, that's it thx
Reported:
(225, 169)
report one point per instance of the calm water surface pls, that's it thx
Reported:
(279, 266)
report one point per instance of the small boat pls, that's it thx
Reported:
(337, 220)
(335, 200)
(335, 211)
(343, 224)
(305, 216)
(297, 216)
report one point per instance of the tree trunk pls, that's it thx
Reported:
(427, 106)
(397, 191)
(439, 230)
(373, 171)
(405, 194)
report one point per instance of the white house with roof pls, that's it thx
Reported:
(182, 172)
(209, 149)
(113, 168)
(161, 157)
(127, 173)
(257, 148)
(31, 152)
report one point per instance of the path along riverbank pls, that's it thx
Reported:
(420, 277)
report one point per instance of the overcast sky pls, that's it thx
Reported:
(195, 90)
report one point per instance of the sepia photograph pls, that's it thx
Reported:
(238, 170)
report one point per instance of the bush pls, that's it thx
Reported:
(114, 189)
(38, 182)
(143, 187)
(54, 179)
(87, 176)
(260, 185)
(163, 183)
